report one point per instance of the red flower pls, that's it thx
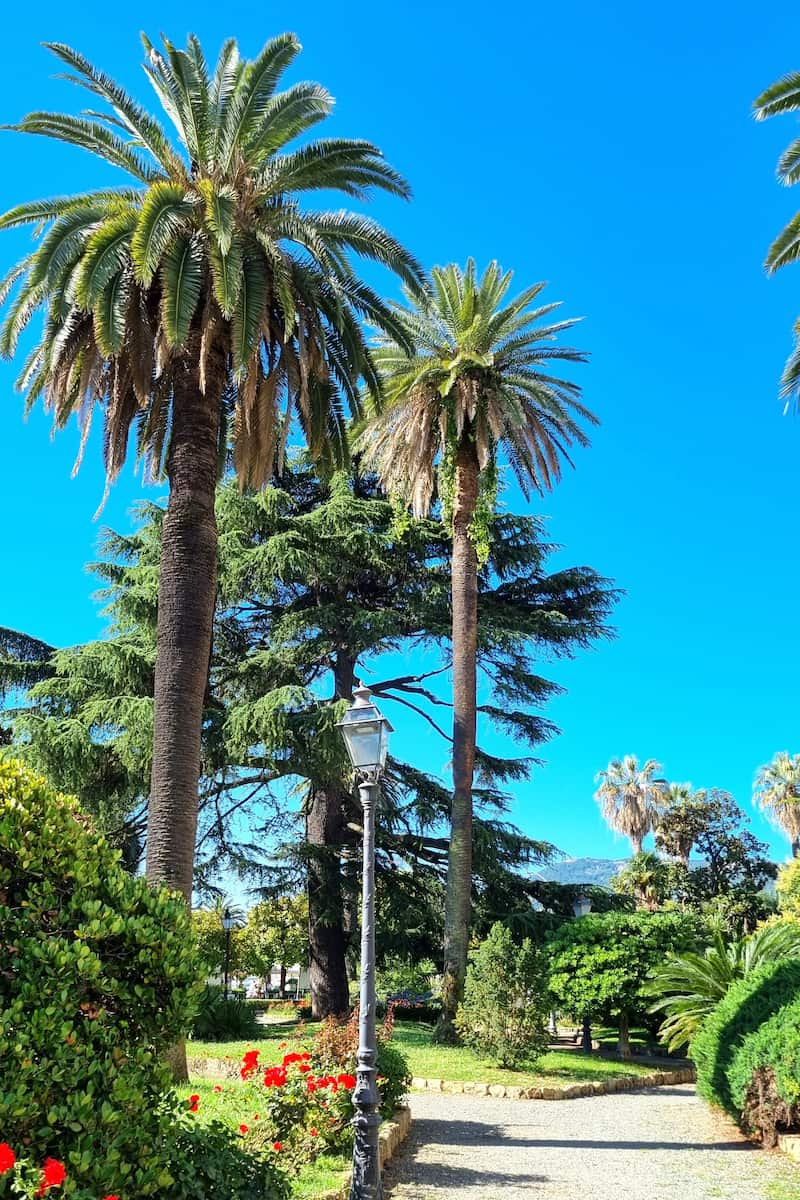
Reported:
(249, 1063)
(7, 1158)
(217, 1088)
(110, 1197)
(311, 1085)
(277, 1145)
(303, 1067)
(194, 1103)
(243, 1129)
(306, 1055)
(314, 1132)
(348, 1081)
(255, 1118)
(53, 1175)
(282, 1045)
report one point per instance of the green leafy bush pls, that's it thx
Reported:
(221, 1020)
(747, 1052)
(504, 1013)
(216, 1166)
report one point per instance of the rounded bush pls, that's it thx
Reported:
(98, 978)
(747, 1051)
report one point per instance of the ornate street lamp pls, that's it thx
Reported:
(366, 736)
(227, 925)
(582, 906)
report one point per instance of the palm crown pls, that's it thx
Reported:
(209, 251)
(631, 797)
(777, 792)
(468, 363)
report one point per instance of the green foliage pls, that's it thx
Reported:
(214, 1165)
(99, 979)
(754, 1028)
(645, 878)
(505, 1005)
(400, 974)
(394, 1076)
(275, 934)
(787, 887)
(221, 1020)
(600, 964)
(690, 984)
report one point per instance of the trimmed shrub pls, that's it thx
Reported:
(505, 1007)
(747, 1052)
(98, 978)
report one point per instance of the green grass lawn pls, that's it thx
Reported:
(456, 1063)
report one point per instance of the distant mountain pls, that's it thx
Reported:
(598, 871)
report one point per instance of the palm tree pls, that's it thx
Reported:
(475, 383)
(784, 97)
(631, 797)
(645, 878)
(202, 300)
(689, 986)
(776, 791)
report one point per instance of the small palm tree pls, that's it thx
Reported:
(469, 380)
(645, 878)
(784, 97)
(689, 986)
(631, 797)
(202, 301)
(777, 793)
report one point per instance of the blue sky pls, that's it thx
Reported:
(609, 150)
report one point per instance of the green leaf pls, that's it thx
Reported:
(226, 270)
(106, 253)
(220, 211)
(165, 213)
(181, 280)
(110, 313)
(246, 322)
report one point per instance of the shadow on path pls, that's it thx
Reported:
(432, 1131)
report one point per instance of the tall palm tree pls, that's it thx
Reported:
(201, 301)
(784, 97)
(777, 792)
(631, 797)
(475, 383)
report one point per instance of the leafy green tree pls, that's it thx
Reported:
(787, 887)
(211, 938)
(689, 985)
(631, 797)
(683, 817)
(316, 580)
(777, 793)
(275, 934)
(503, 1015)
(470, 380)
(599, 964)
(198, 302)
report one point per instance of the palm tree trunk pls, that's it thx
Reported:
(186, 596)
(636, 844)
(464, 586)
(796, 847)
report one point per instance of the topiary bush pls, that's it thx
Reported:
(98, 978)
(505, 1006)
(747, 1052)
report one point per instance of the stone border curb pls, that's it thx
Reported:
(392, 1135)
(789, 1143)
(621, 1083)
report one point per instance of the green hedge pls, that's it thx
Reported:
(98, 979)
(747, 1051)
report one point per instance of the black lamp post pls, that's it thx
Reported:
(227, 925)
(582, 906)
(366, 736)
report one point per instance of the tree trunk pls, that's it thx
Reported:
(624, 1043)
(282, 984)
(186, 596)
(796, 847)
(327, 941)
(464, 586)
(636, 844)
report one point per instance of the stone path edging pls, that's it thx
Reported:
(573, 1091)
(392, 1135)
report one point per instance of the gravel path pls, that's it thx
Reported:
(659, 1144)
